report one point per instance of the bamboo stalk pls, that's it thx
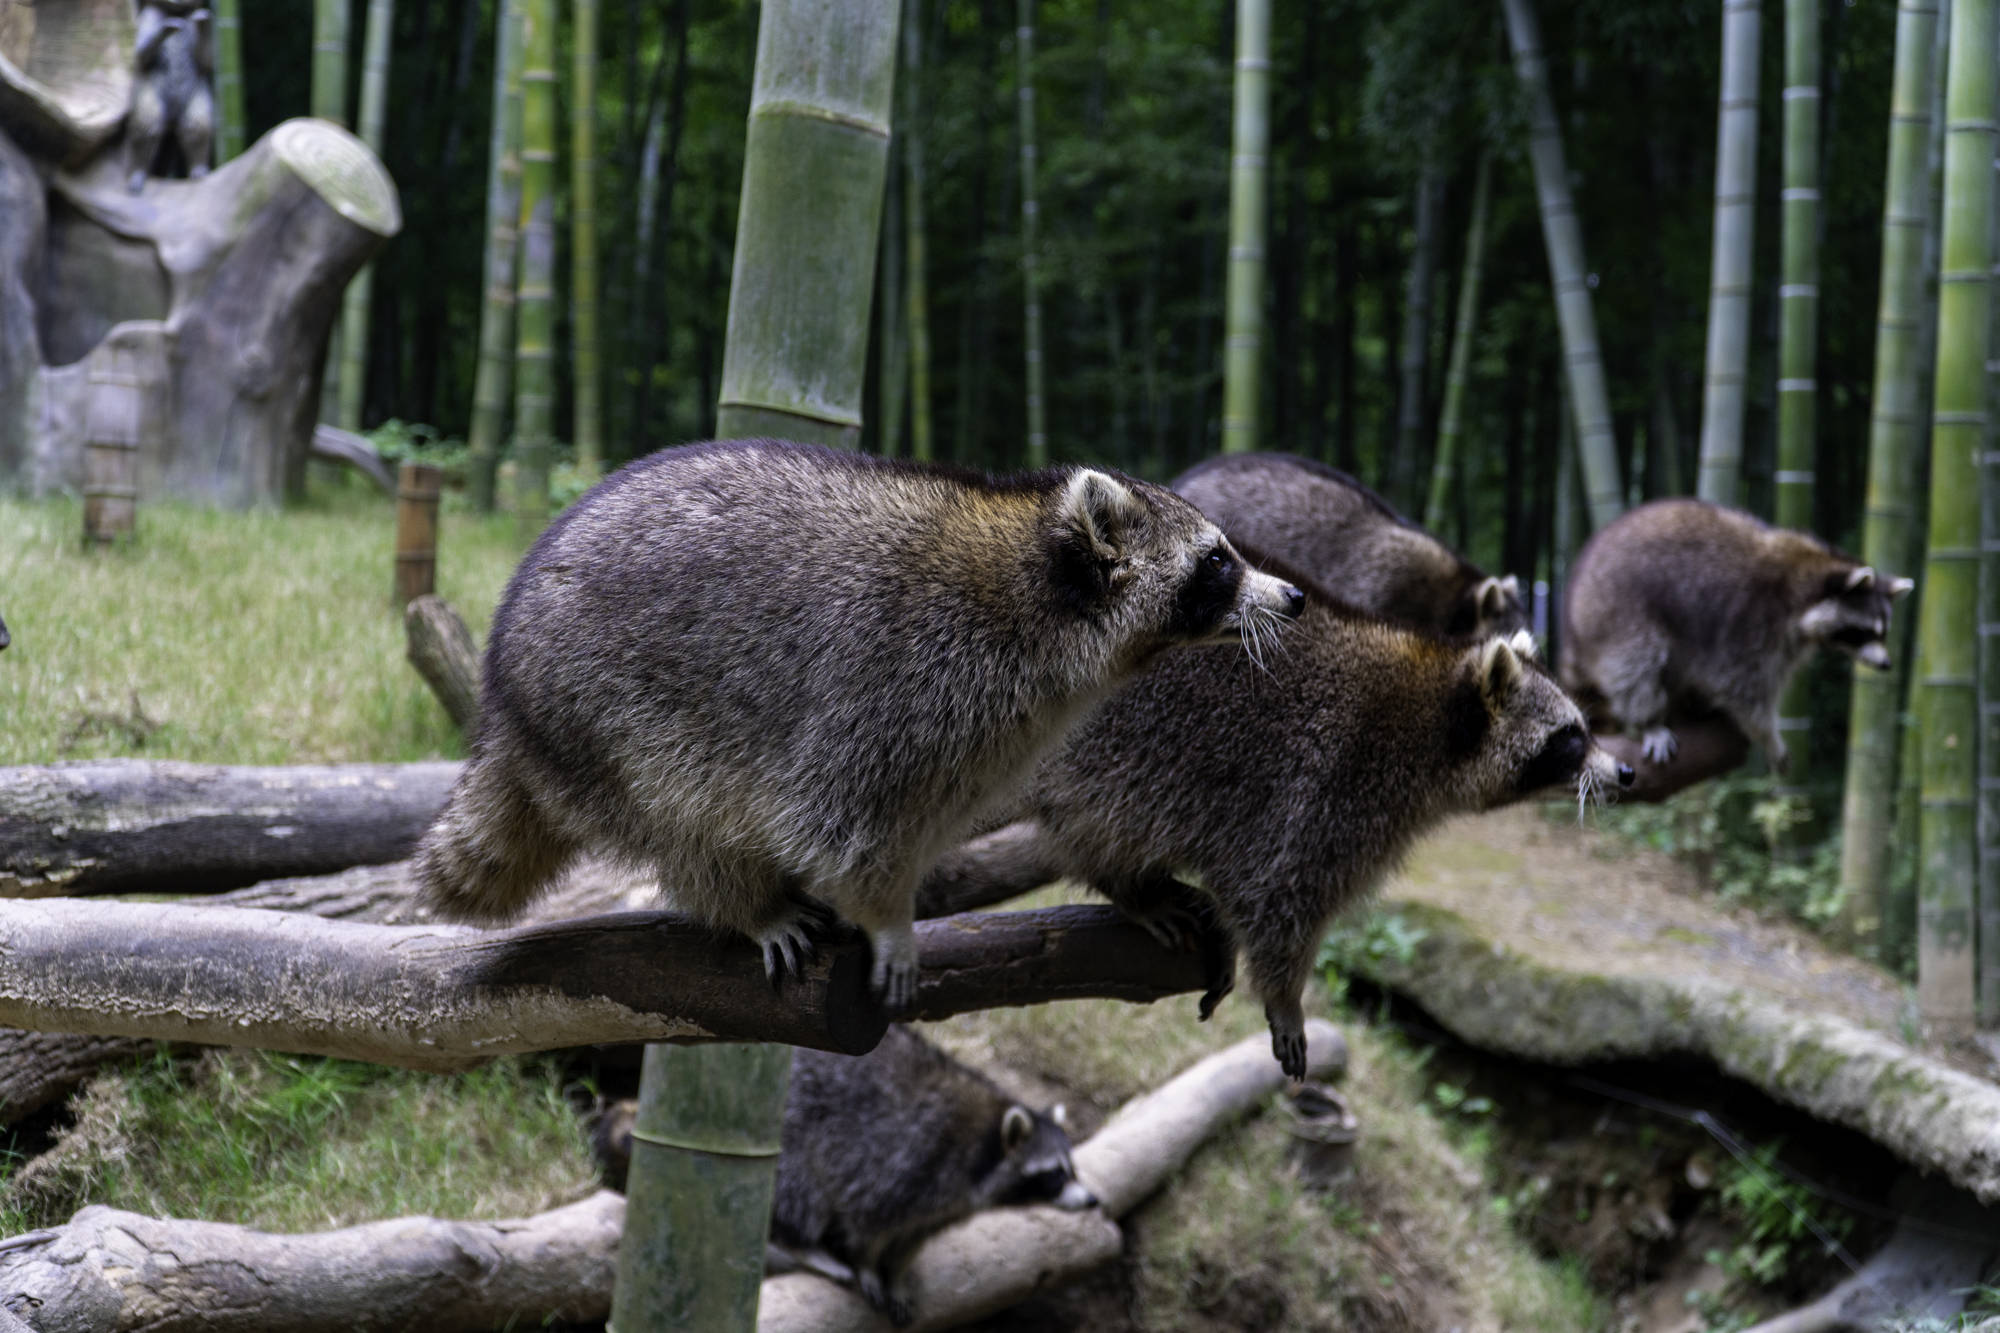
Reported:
(1895, 436)
(585, 369)
(494, 379)
(329, 102)
(1031, 292)
(228, 79)
(1728, 355)
(916, 284)
(534, 298)
(1987, 810)
(1249, 171)
(1451, 420)
(1590, 403)
(1947, 982)
(360, 292)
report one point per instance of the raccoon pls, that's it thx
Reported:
(881, 1150)
(1284, 795)
(1342, 535)
(1681, 607)
(787, 677)
(4, 639)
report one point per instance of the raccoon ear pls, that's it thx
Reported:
(1900, 588)
(1524, 646)
(1860, 579)
(1015, 1127)
(1511, 586)
(1059, 1113)
(1499, 669)
(1099, 508)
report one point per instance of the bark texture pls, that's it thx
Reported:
(442, 650)
(132, 825)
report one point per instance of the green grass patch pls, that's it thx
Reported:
(264, 637)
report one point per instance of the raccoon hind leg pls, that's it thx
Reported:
(1279, 969)
(1183, 919)
(491, 850)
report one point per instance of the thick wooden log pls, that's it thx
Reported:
(444, 653)
(446, 997)
(108, 1271)
(127, 825)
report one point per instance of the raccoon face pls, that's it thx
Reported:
(1035, 1154)
(1520, 734)
(1852, 614)
(1146, 560)
(1497, 608)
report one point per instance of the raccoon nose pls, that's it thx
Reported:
(1625, 775)
(1293, 601)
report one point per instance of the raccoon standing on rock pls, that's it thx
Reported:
(1681, 607)
(787, 677)
(1350, 541)
(1284, 795)
(881, 1150)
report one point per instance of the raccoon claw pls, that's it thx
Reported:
(1176, 928)
(894, 977)
(1288, 1043)
(1660, 745)
(884, 1297)
(788, 947)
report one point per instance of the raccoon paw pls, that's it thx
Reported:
(894, 977)
(1288, 1042)
(882, 1294)
(1660, 744)
(788, 947)
(1176, 928)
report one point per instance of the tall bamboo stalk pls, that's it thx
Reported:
(1249, 190)
(1590, 403)
(1415, 355)
(699, 1197)
(329, 102)
(1895, 437)
(1451, 419)
(228, 79)
(535, 298)
(1947, 982)
(494, 379)
(1798, 336)
(1031, 288)
(1987, 818)
(1728, 356)
(916, 284)
(360, 291)
(585, 371)
(892, 360)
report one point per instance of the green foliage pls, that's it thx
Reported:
(400, 441)
(1373, 937)
(1778, 1224)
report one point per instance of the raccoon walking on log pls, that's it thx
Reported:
(881, 1150)
(1350, 541)
(1284, 795)
(1681, 608)
(787, 677)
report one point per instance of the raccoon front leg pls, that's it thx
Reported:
(1279, 970)
(1632, 678)
(885, 907)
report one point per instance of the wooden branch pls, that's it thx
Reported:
(445, 997)
(108, 1271)
(1708, 748)
(1001, 1257)
(130, 825)
(331, 444)
(988, 869)
(442, 650)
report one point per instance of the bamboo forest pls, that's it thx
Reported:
(1002, 664)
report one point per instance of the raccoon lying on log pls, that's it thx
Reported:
(788, 677)
(881, 1150)
(1682, 608)
(1285, 793)
(1346, 538)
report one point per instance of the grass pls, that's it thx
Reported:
(243, 638)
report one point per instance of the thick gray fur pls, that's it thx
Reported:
(1681, 608)
(881, 1150)
(1285, 794)
(1347, 539)
(171, 94)
(787, 676)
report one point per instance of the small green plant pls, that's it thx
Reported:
(1377, 937)
(1451, 1097)
(414, 442)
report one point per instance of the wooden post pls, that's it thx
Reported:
(416, 531)
(111, 446)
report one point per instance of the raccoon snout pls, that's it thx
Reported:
(1875, 655)
(1075, 1197)
(1291, 601)
(1626, 777)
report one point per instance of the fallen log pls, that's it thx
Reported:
(447, 997)
(132, 825)
(108, 1271)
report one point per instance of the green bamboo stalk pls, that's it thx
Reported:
(819, 130)
(1590, 403)
(1987, 821)
(1249, 203)
(1728, 355)
(360, 291)
(1451, 419)
(534, 299)
(228, 79)
(1798, 338)
(1414, 358)
(1947, 982)
(699, 1197)
(892, 365)
(916, 283)
(585, 369)
(494, 379)
(1895, 437)
(329, 102)
(1038, 421)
